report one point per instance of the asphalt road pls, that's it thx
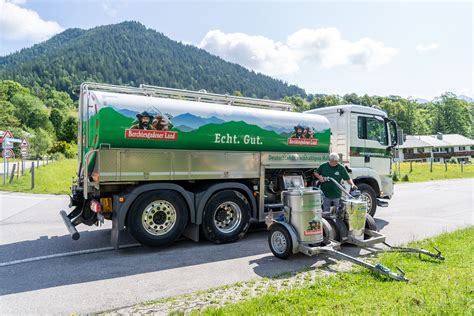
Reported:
(31, 227)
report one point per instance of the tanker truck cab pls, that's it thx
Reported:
(364, 137)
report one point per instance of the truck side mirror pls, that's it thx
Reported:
(401, 137)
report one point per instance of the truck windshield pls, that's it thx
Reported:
(372, 128)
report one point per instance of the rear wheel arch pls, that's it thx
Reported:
(369, 181)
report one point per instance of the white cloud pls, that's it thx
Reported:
(255, 52)
(109, 9)
(17, 1)
(324, 47)
(17, 23)
(425, 48)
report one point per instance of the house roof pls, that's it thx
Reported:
(414, 142)
(448, 140)
(457, 140)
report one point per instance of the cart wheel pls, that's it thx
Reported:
(370, 224)
(280, 241)
(340, 229)
(329, 233)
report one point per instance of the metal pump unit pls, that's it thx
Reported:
(352, 224)
(302, 228)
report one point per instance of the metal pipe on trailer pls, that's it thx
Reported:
(330, 250)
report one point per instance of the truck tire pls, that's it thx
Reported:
(226, 217)
(368, 192)
(279, 241)
(157, 218)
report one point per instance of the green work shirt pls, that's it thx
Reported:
(338, 173)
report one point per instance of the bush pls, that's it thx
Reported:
(395, 177)
(40, 143)
(68, 150)
(58, 156)
(405, 178)
(453, 160)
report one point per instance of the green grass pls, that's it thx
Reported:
(441, 288)
(54, 178)
(421, 171)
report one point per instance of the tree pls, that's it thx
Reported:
(452, 116)
(351, 98)
(8, 88)
(320, 101)
(69, 130)
(40, 142)
(56, 117)
(30, 111)
(298, 102)
(7, 118)
(59, 100)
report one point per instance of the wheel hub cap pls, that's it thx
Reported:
(159, 217)
(227, 217)
(278, 242)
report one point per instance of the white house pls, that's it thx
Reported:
(440, 148)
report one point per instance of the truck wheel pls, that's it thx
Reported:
(226, 217)
(369, 194)
(280, 241)
(158, 218)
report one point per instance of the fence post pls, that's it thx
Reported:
(37, 162)
(411, 166)
(13, 174)
(445, 166)
(462, 167)
(431, 165)
(47, 160)
(32, 175)
(18, 171)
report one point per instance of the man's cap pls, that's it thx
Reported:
(143, 114)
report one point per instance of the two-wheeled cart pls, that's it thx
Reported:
(303, 228)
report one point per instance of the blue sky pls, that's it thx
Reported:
(410, 49)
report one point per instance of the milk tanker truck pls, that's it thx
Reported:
(162, 163)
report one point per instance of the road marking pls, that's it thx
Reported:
(64, 254)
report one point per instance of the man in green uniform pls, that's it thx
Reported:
(333, 169)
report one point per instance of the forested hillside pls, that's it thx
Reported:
(128, 53)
